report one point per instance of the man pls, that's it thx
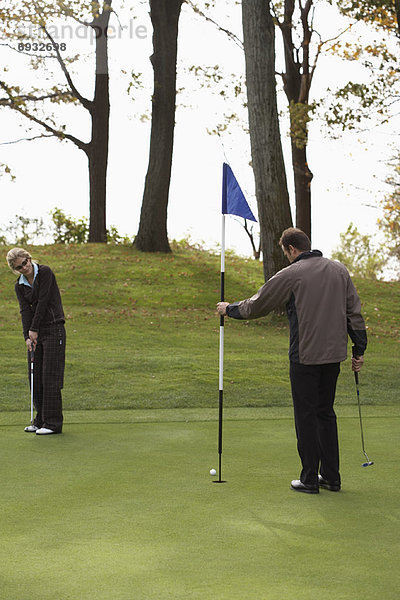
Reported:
(323, 308)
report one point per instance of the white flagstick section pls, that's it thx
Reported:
(221, 328)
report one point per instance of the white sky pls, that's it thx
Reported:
(348, 173)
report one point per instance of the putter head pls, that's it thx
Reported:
(368, 464)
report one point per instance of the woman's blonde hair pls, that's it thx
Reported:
(14, 254)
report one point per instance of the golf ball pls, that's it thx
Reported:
(213, 472)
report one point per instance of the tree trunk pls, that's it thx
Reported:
(302, 183)
(152, 234)
(296, 84)
(98, 147)
(98, 158)
(99, 108)
(266, 149)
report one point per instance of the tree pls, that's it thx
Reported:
(384, 15)
(303, 46)
(380, 13)
(294, 20)
(373, 95)
(152, 234)
(390, 222)
(94, 16)
(297, 80)
(359, 255)
(267, 157)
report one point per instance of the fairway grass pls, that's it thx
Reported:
(121, 506)
(142, 332)
(127, 510)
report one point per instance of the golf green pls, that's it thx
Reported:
(126, 509)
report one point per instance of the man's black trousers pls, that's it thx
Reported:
(313, 392)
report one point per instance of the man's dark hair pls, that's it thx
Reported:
(295, 237)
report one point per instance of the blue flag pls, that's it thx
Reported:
(233, 200)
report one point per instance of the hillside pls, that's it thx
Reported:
(142, 333)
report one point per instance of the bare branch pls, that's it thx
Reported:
(322, 44)
(36, 137)
(84, 101)
(230, 35)
(61, 135)
(22, 98)
(68, 12)
(30, 54)
(85, 23)
(291, 52)
(306, 8)
(256, 253)
(118, 19)
(30, 98)
(333, 39)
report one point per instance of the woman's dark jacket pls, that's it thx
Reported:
(40, 305)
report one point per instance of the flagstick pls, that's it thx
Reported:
(233, 203)
(221, 355)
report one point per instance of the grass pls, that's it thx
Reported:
(122, 506)
(128, 510)
(142, 333)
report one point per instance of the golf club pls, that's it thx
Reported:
(368, 463)
(32, 353)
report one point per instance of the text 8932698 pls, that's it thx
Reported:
(41, 46)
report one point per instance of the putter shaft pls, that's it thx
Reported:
(369, 462)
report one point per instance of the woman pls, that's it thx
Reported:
(43, 321)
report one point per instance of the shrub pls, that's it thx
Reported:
(69, 230)
(358, 255)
